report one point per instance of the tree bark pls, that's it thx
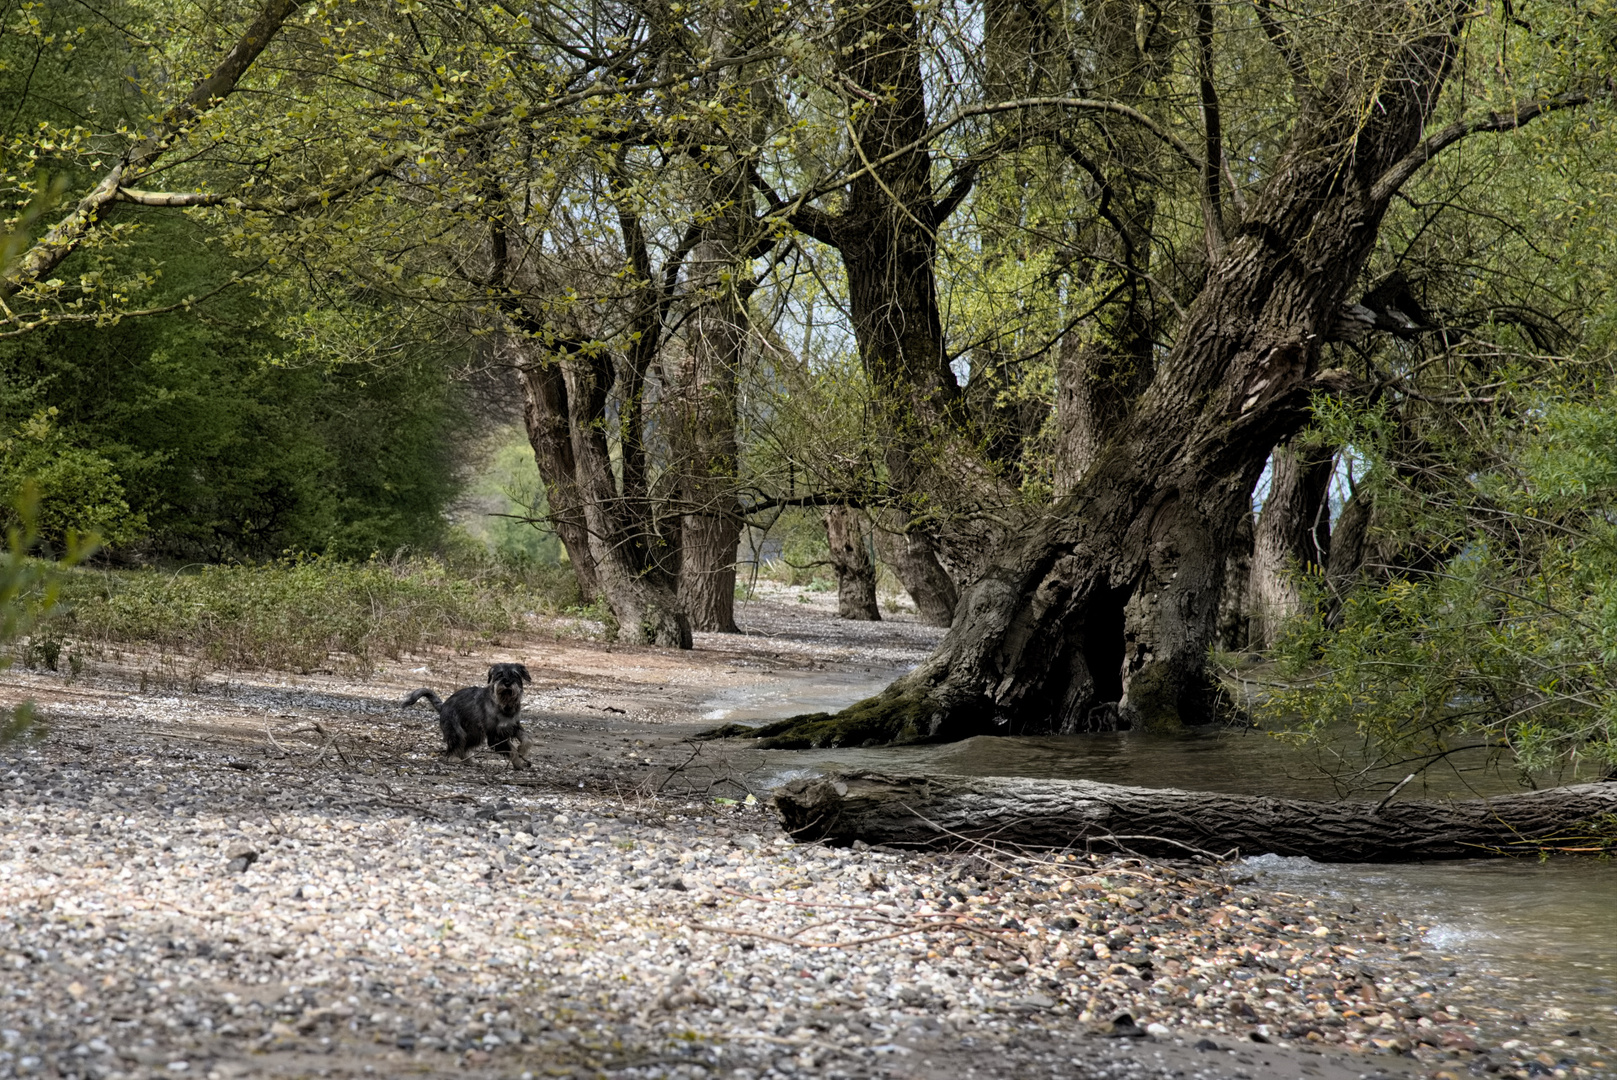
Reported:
(856, 576)
(704, 434)
(637, 586)
(914, 811)
(1293, 537)
(544, 413)
(911, 557)
(1161, 503)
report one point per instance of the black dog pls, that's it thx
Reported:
(478, 713)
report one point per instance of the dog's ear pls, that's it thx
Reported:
(522, 670)
(491, 672)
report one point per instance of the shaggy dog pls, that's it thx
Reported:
(491, 712)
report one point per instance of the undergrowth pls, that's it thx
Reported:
(305, 614)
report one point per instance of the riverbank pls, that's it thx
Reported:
(267, 876)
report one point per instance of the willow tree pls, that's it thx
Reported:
(1285, 226)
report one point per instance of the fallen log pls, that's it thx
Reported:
(943, 811)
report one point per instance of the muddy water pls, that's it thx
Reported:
(1521, 942)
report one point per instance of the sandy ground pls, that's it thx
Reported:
(258, 874)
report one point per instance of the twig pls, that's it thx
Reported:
(1226, 857)
(807, 944)
(1396, 788)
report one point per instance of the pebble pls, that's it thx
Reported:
(163, 913)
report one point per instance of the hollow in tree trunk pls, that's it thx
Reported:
(850, 558)
(1233, 621)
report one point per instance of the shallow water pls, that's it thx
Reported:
(789, 693)
(1515, 937)
(1533, 939)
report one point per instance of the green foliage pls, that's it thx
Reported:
(28, 594)
(304, 614)
(1503, 633)
(237, 435)
(75, 490)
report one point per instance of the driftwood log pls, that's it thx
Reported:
(941, 811)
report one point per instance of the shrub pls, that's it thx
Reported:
(303, 614)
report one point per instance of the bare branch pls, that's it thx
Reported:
(1405, 167)
(1280, 38)
(793, 209)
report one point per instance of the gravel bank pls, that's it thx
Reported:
(276, 879)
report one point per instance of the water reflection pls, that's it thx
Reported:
(1239, 762)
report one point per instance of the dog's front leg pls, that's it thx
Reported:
(519, 750)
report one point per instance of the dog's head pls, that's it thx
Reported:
(507, 681)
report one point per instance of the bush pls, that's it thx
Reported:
(75, 491)
(305, 614)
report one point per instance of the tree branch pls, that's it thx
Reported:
(809, 220)
(796, 209)
(1280, 38)
(1405, 167)
(66, 235)
(21, 325)
(1213, 135)
(181, 199)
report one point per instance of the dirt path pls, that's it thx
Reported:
(267, 875)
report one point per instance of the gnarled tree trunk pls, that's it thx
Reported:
(544, 414)
(1161, 502)
(850, 558)
(634, 580)
(939, 811)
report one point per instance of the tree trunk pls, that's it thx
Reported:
(915, 811)
(545, 415)
(638, 589)
(703, 434)
(1233, 622)
(911, 557)
(856, 577)
(707, 572)
(1161, 503)
(1293, 537)
(1102, 372)
(887, 237)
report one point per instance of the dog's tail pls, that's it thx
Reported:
(417, 695)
